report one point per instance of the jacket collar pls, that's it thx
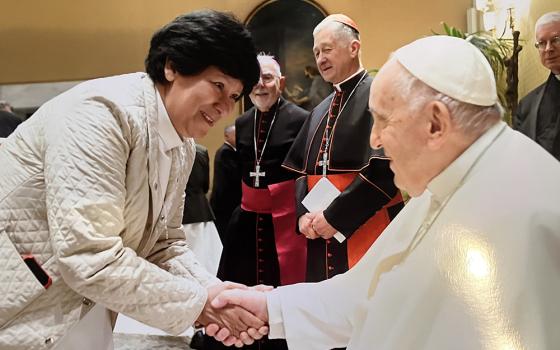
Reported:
(169, 136)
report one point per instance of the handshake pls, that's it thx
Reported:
(235, 314)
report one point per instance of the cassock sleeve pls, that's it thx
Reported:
(301, 192)
(323, 315)
(295, 159)
(370, 191)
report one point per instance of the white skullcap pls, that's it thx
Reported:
(452, 66)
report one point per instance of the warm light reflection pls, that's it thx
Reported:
(467, 261)
(477, 264)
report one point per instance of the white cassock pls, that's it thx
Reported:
(473, 263)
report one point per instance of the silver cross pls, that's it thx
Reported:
(324, 163)
(257, 174)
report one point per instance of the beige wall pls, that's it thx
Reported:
(61, 40)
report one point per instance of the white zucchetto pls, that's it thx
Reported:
(452, 66)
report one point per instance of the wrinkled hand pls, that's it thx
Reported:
(262, 288)
(305, 226)
(233, 321)
(322, 227)
(252, 300)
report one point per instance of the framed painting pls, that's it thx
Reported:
(284, 29)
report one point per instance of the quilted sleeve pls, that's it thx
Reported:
(172, 254)
(86, 150)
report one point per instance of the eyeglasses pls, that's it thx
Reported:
(267, 78)
(555, 42)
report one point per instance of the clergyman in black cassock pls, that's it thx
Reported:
(226, 184)
(261, 245)
(538, 113)
(334, 142)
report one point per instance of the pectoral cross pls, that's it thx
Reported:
(324, 163)
(257, 174)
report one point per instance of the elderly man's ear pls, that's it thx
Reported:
(439, 124)
(282, 84)
(355, 48)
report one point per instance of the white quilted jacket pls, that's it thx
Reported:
(77, 184)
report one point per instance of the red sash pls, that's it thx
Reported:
(360, 241)
(279, 200)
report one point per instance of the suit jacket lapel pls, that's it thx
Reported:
(533, 113)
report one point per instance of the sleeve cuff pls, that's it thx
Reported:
(275, 321)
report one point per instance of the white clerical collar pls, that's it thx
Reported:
(165, 129)
(450, 178)
(337, 85)
(230, 145)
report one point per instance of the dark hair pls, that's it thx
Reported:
(195, 41)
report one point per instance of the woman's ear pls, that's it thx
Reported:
(169, 71)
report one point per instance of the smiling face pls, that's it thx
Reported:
(268, 89)
(403, 136)
(336, 58)
(195, 103)
(550, 54)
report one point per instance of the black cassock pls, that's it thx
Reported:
(349, 152)
(197, 208)
(226, 187)
(538, 115)
(249, 255)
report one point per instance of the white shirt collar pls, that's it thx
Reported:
(165, 129)
(450, 178)
(557, 76)
(337, 85)
(230, 145)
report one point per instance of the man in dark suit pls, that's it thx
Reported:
(226, 186)
(538, 114)
(8, 120)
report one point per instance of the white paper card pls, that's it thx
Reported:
(320, 197)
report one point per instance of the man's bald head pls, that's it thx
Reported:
(229, 134)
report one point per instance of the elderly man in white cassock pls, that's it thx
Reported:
(472, 260)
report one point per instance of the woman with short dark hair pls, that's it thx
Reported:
(91, 193)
